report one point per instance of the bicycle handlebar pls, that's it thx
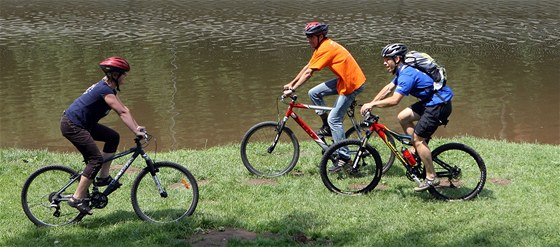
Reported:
(370, 118)
(144, 136)
(291, 96)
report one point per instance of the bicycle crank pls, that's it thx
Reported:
(99, 200)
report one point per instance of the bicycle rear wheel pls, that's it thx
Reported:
(461, 171)
(178, 201)
(42, 203)
(348, 180)
(261, 157)
(387, 157)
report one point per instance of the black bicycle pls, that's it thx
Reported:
(162, 192)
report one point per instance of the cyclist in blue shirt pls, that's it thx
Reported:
(79, 124)
(431, 111)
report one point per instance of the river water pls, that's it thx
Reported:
(203, 72)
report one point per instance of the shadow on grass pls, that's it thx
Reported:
(124, 228)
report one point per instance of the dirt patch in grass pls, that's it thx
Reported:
(500, 181)
(221, 237)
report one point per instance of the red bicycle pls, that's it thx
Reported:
(271, 149)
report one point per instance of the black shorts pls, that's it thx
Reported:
(431, 117)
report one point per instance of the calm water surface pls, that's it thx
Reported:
(203, 72)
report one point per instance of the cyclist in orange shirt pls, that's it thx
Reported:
(349, 82)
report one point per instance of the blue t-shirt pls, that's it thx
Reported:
(90, 107)
(410, 80)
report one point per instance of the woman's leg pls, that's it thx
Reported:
(111, 139)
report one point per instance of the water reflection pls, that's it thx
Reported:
(203, 72)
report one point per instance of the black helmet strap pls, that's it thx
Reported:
(109, 75)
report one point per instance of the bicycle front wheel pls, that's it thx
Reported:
(352, 180)
(387, 157)
(263, 156)
(177, 198)
(43, 198)
(461, 171)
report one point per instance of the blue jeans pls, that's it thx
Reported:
(336, 116)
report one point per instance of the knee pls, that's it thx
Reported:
(112, 143)
(402, 117)
(334, 120)
(93, 166)
(312, 94)
(418, 141)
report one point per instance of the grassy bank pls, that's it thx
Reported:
(519, 205)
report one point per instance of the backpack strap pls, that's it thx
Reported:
(439, 96)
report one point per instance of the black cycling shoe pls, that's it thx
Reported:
(340, 164)
(324, 131)
(81, 204)
(105, 181)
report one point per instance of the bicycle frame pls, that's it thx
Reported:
(291, 114)
(135, 151)
(374, 126)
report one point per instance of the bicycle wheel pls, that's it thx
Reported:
(40, 200)
(179, 201)
(261, 157)
(348, 181)
(461, 171)
(387, 157)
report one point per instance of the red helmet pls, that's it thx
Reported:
(114, 64)
(314, 28)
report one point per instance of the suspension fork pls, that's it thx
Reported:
(281, 125)
(363, 146)
(355, 124)
(279, 129)
(153, 171)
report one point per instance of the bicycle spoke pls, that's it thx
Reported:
(461, 171)
(264, 157)
(38, 192)
(177, 198)
(352, 180)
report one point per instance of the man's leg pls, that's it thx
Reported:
(425, 154)
(336, 118)
(406, 118)
(431, 118)
(316, 95)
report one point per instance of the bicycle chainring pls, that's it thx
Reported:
(417, 171)
(99, 200)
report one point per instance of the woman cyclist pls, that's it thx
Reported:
(79, 124)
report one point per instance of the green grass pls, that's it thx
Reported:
(518, 206)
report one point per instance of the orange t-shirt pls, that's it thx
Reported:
(341, 63)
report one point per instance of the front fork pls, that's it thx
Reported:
(279, 129)
(153, 171)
